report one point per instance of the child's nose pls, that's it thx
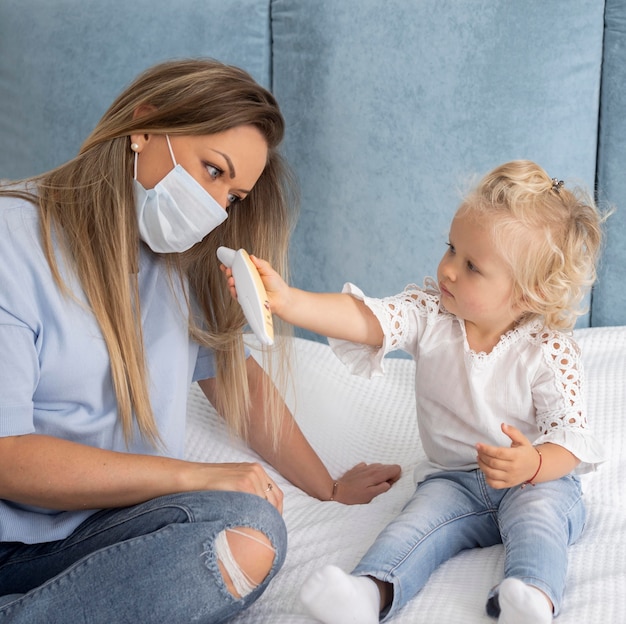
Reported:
(448, 270)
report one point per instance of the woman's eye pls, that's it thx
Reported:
(214, 172)
(233, 199)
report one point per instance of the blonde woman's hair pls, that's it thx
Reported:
(87, 206)
(549, 235)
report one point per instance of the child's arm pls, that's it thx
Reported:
(334, 315)
(506, 467)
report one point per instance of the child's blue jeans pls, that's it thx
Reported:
(152, 562)
(453, 511)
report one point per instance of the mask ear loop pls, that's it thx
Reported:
(135, 167)
(171, 150)
(135, 147)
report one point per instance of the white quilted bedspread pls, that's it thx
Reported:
(349, 419)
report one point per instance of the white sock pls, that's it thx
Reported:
(334, 597)
(521, 603)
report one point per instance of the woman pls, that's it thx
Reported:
(112, 303)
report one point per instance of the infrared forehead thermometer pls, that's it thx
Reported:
(250, 292)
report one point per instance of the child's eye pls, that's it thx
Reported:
(472, 267)
(451, 248)
(214, 172)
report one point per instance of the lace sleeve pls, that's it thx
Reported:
(562, 356)
(559, 400)
(402, 318)
(397, 315)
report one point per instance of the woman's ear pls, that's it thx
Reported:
(138, 141)
(143, 109)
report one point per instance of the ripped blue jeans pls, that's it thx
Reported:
(154, 562)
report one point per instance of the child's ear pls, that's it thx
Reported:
(520, 303)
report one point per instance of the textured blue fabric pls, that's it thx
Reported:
(609, 297)
(392, 107)
(63, 62)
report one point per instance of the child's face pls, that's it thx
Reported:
(475, 281)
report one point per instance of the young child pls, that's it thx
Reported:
(499, 398)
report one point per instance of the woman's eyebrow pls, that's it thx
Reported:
(231, 168)
(229, 162)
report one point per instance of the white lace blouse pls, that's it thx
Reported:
(532, 379)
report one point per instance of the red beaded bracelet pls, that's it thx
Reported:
(530, 481)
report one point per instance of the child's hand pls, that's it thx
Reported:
(230, 280)
(276, 288)
(506, 467)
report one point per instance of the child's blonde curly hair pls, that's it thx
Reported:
(549, 235)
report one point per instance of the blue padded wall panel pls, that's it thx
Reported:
(609, 296)
(62, 62)
(392, 107)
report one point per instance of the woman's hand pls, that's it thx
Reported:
(240, 477)
(364, 482)
(58, 474)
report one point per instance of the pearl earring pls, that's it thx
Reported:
(134, 147)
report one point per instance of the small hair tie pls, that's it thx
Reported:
(557, 184)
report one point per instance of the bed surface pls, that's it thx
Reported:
(348, 419)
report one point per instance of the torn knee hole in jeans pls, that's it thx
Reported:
(242, 583)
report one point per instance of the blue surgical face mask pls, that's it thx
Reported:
(177, 213)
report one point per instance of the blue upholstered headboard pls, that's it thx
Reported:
(391, 108)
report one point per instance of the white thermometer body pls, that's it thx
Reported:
(250, 292)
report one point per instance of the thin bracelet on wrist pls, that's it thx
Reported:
(530, 481)
(334, 492)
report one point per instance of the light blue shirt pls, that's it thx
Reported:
(54, 366)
